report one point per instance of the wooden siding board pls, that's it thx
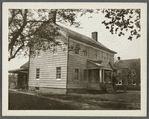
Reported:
(47, 63)
(80, 62)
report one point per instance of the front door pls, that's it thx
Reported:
(107, 76)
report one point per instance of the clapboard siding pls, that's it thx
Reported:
(79, 61)
(94, 86)
(47, 63)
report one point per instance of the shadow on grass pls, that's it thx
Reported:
(119, 101)
(18, 101)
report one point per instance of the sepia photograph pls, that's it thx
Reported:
(66, 57)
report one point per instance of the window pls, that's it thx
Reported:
(36, 88)
(95, 54)
(38, 53)
(77, 48)
(76, 51)
(58, 72)
(54, 50)
(85, 51)
(37, 73)
(85, 74)
(76, 74)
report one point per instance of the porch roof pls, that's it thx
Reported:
(18, 70)
(91, 64)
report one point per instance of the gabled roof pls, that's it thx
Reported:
(126, 63)
(82, 38)
(18, 70)
(99, 63)
(25, 66)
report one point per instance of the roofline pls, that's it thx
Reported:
(93, 44)
(130, 59)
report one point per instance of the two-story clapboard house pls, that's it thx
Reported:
(80, 64)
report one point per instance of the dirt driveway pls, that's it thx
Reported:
(29, 101)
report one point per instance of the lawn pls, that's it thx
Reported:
(118, 101)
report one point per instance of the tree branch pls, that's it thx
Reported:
(19, 31)
(11, 57)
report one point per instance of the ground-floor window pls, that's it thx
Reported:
(37, 73)
(58, 72)
(76, 74)
(107, 76)
(85, 74)
(93, 75)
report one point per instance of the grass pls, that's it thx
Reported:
(18, 101)
(119, 101)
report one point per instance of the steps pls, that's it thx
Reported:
(109, 88)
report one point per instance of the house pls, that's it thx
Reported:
(129, 69)
(21, 77)
(80, 64)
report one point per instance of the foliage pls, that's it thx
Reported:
(120, 21)
(30, 26)
(135, 72)
(130, 73)
(12, 77)
(26, 26)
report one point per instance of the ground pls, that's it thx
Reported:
(29, 101)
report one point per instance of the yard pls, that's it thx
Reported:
(119, 101)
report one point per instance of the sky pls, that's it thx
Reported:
(125, 48)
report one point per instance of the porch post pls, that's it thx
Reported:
(100, 75)
(87, 76)
(103, 76)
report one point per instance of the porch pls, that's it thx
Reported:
(99, 75)
(22, 78)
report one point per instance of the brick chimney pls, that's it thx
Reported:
(95, 35)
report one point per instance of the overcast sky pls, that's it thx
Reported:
(125, 49)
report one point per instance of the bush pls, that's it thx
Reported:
(133, 87)
(128, 87)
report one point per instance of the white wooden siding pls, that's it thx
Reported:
(47, 63)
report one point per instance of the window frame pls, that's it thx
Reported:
(77, 74)
(55, 49)
(58, 73)
(38, 53)
(85, 51)
(85, 75)
(77, 48)
(96, 57)
(38, 73)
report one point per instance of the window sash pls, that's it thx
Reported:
(37, 73)
(76, 74)
(76, 51)
(85, 74)
(58, 72)
(55, 50)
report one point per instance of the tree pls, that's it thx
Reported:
(135, 72)
(120, 21)
(27, 24)
(124, 74)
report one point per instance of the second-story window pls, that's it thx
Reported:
(85, 51)
(95, 54)
(77, 48)
(54, 50)
(38, 53)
